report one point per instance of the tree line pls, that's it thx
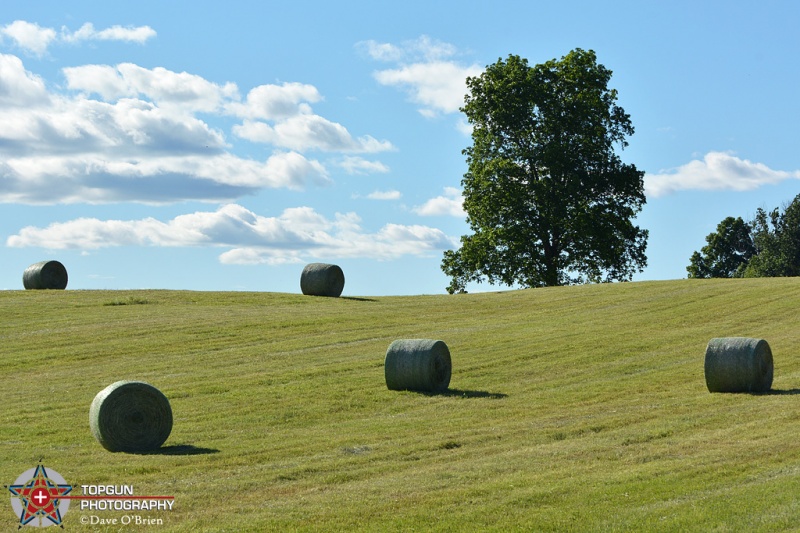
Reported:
(766, 246)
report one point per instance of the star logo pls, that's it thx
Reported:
(36, 497)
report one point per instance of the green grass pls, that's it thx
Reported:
(570, 409)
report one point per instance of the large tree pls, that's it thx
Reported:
(549, 201)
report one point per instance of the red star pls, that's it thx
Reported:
(40, 497)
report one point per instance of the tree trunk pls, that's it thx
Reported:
(550, 264)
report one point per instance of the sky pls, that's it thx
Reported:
(224, 145)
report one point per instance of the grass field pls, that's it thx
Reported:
(570, 409)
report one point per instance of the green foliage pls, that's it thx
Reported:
(777, 242)
(726, 253)
(570, 409)
(548, 200)
(769, 246)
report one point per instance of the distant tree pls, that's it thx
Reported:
(768, 246)
(727, 253)
(777, 241)
(548, 200)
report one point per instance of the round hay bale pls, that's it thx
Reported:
(738, 364)
(322, 279)
(45, 275)
(417, 364)
(130, 416)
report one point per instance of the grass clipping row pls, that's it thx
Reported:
(130, 416)
(738, 364)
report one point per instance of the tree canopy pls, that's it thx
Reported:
(549, 201)
(726, 253)
(767, 246)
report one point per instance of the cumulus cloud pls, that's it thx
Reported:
(439, 86)
(281, 115)
(276, 102)
(451, 203)
(295, 235)
(717, 171)
(159, 85)
(29, 36)
(309, 132)
(426, 71)
(18, 87)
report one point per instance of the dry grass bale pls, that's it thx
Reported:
(130, 416)
(45, 275)
(322, 279)
(738, 364)
(417, 364)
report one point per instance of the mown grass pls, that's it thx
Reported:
(579, 408)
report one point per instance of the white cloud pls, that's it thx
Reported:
(464, 127)
(449, 204)
(426, 72)
(296, 234)
(95, 179)
(381, 51)
(35, 39)
(128, 133)
(309, 132)
(163, 87)
(359, 165)
(87, 32)
(19, 87)
(421, 49)
(385, 195)
(294, 125)
(276, 102)
(29, 36)
(717, 171)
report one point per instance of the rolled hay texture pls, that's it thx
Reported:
(130, 416)
(45, 275)
(738, 364)
(322, 279)
(417, 364)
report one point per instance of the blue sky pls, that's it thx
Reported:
(224, 145)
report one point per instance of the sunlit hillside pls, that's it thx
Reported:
(578, 408)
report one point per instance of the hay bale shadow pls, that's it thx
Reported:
(777, 392)
(180, 449)
(357, 299)
(459, 393)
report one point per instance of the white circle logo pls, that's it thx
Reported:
(37, 497)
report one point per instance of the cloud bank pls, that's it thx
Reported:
(128, 133)
(296, 235)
